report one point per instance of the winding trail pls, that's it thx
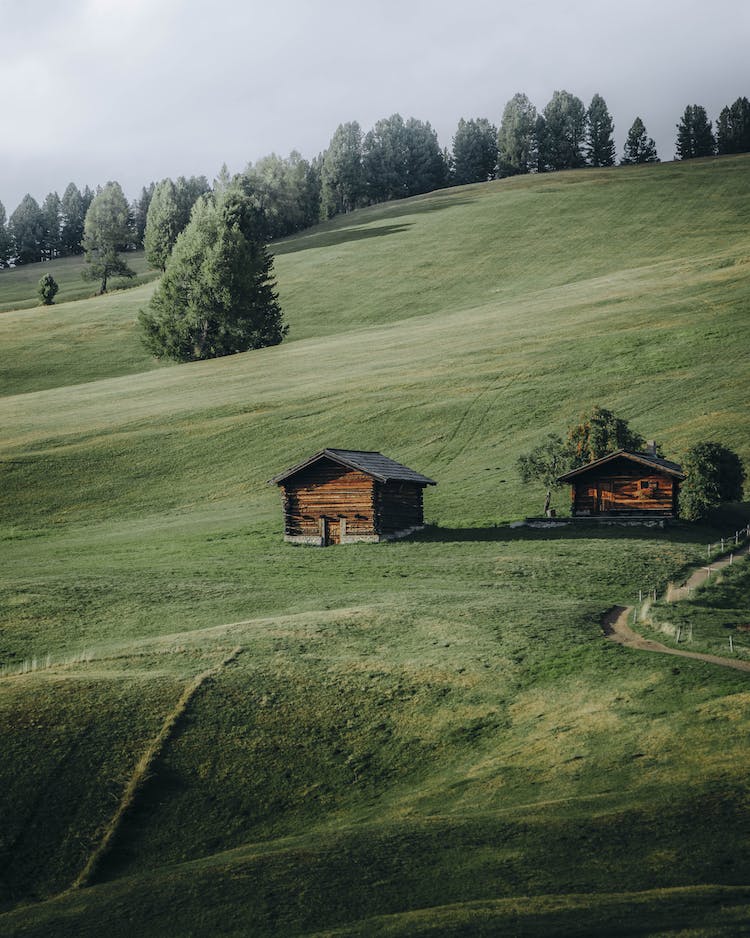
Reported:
(616, 628)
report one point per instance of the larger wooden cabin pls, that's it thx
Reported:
(625, 483)
(339, 496)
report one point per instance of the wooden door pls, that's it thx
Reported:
(331, 531)
(606, 496)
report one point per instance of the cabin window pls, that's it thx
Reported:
(648, 484)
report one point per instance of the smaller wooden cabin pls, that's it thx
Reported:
(625, 483)
(340, 496)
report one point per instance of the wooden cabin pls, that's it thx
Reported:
(625, 483)
(340, 496)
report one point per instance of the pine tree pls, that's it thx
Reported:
(73, 211)
(139, 213)
(26, 227)
(217, 294)
(733, 128)
(474, 151)
(106, 231)
(47, 289)
(565, 125)
(341, 172)
(51, 212)
(6, 242)
(162, 224)
(600, 147)
(694, 135)
(639, 147)
(517, 145)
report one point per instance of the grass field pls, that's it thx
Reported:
(425, 737)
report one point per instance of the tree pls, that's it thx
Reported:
(6, 242)
(51, 210)
(425, 167)
(384, 156)
(162, 224)
(598, 433)
(47, 289)
(73, 211)
(713, 474)
(694, 135)
(26, 227)
(139, 213)
(565, 125)
(341, 173)
(639, 147)
(474, 151)
(106, 231)
(540, 136)
(733, 128)
(217, 294)
(517, 137)
(544, 464)
(600, 147)
(288, 192)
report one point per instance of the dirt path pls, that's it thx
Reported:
(697, 577)
(616, 628)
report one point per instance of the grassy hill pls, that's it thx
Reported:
(426, 737)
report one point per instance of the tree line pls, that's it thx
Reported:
(397, 158)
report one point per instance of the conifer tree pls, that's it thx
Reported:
(341, 172)
(517, 144)
(162, 224)
(600, 147)
(565, 126)
(639, 147)
(733, 128)
(474, 151)
(26, 227)
(694, 135)
(51, 212)
(73, 215)
(217, 294)
(6, 242)
(106, 231)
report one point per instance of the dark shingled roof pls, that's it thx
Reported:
(373, 464)
(646, 459)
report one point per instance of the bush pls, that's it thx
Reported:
(714, 474)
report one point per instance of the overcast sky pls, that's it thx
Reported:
(135, 90)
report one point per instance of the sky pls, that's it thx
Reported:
(136, 90)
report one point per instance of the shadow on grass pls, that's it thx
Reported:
(327, 239)
(561, 532)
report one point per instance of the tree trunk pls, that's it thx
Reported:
(547, 501)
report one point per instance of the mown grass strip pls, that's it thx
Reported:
(143, 769)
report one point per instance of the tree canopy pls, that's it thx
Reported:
(639, 147)
(341, 173)
(733, 128)
(565, 127)
(217, 294)
(26, 227)
(600, 146)
(47, 289)
(694, 135)
(714, 474)
(106, 231)
(517, 144)
(474, 151)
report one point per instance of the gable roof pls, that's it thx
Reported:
(645, 459)
(373, 464)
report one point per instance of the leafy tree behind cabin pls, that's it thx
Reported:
(106, 232)
(639, 147)
(341, 179)
(217, 294)
(714, 474)
(597, 433)
(47, 289)
(564, 132)
(474, 151)
(26, 227)
(517, 145)
(694, 135)
(600, 147)
(733, 128)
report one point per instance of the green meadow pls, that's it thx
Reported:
(428, 737)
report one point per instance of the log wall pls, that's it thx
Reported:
(625, 489)
(398, 506)
(328, 490)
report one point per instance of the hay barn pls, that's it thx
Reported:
(341, 496)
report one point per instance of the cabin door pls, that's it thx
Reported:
(606, 500)
(331, 531)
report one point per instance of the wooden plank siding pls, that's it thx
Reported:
(398, 505)
(624, 489)
(331, 491)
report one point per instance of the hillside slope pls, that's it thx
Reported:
(412, 735)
